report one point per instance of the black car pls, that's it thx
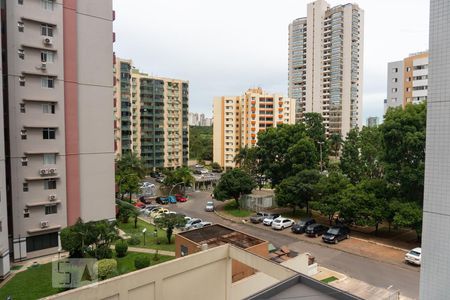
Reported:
(301, 226)
(315, 230)
(259, 217)
(336, 234)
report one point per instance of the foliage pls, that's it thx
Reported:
(200, 142)
(130, 170)
(134, 240)
(121, 248)
(350, 158)
(141, 261)
(178, 176)
(335, 143)
(316, 132)
(403, 133)
(234, 184)
(298, 190)
(127, 210)
(216, 166)
(169, 222)
(247, 160)
(106, 268)
(409, 215)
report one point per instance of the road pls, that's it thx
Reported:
(376, 273)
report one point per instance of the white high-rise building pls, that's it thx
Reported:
(435, 269)
(326, 65)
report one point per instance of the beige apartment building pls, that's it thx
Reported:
(238, 119)
(58, 124)
(407, 81)
(326, 65)
(151, 117)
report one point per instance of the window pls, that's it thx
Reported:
(20, 2)
(22, 80)
(49, 159)
(24, 161)
(43, 241)
(47, 56)
(48, 108)
(394, 79)
(408, 69)
(408, 89)
(49, 184)
(22, 107)
(395, 70)
(47, 4)
(48, 133)
(48, 82)
(20, 26)
(26, 213)
(50, 209)
(21, 53)
(408, 79)
(25, 186)
(46, 30)
(23, 134)
(394, 90)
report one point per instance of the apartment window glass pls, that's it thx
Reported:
(23, 134)
(21, 53)
(20, 26)
(22, 107)
(48, 108)
(43, 241)
(48, 133)
(408, 69)
(50, 209)
(48, 82)
(49, 159)
(22, 80)
(26, 213)
(47, 56)
(394, 90)
(49, 184)
(20, 2)
(47, 4)
(25, 186)
(24, 161)
(46, 30)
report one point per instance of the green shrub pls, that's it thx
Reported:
(101, 252)
(141, 261)
(121, 248)
(134, 241)
(106, 268)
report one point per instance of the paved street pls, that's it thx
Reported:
(380, 274)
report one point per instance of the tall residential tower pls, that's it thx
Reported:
(326, 65)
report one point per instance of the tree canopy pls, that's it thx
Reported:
(234, 184)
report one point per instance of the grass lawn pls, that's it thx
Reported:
(231, 208)
(150, 241)
(329, 279)
(36, 282)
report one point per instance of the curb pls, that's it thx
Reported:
(381, 244)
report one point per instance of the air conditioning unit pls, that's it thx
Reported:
(44, 66)
(52, 171)
(43, 171)
(52, 197)
(48, 41)
(44, 224)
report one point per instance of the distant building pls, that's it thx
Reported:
(326, 65)
(372, 122)
(196, 119)
(151, 117)
(407, 81)
(238, 119)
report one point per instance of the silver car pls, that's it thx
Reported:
(209, 206)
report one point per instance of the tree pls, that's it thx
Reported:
(335, 143)
(350, 158)
(216, 166)
(403, 136)
(298, 190)
(371, 152)
(409, 215)
(127, 210)
(234, 184)
(247, 160)
(200, 142)
(316, 132)
(129, 172)
(169, 222)
(329, 194)
(181, 176)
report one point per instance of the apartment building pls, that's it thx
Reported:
(372, 121)
(196, 119)
(435, 269)
(57, 92)
(238, 119)
(407, 81)
(326, 65)
(151, 117)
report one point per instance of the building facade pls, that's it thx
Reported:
(196, 119)
(151, 117)
(238, 119)
(407, 81)
(326, 65)
(57, 85)
(435, 269)
(372, 121)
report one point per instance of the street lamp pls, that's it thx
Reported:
(321, 162)
(170, 193)
(143, 232)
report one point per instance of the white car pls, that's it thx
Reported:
(191, 223)
(414, 256)
(282, 223)
(201, 225)
(158, 211)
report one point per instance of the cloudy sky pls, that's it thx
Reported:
(224, 47)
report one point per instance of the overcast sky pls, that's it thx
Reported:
(224, 47)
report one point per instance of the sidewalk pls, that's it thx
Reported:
(355, 245)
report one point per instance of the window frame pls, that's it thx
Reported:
(47, 30)
(48, 82)
(51, 209)
(49, 133)
(50, 184)
(49, 159)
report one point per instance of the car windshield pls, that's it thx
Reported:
(260, 214)
(277, 221)
(209, 203)
(415, 253)
(301, 223)
(334, 231)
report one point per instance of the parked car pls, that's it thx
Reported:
(148, 211)
(281, 223)
(157, 211)
(160, 179)
(191, 222)
(269, 219)
(301, 226)
(139, 204)
(204, 171)
(198, 172)
(172, 199)
(217, 170)
(336, 234)
(180, 198)
(315, 230)
(259, 217)
(414, 256)
(201, 225)
(209, 206)
(198, 166)
(162, 200)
